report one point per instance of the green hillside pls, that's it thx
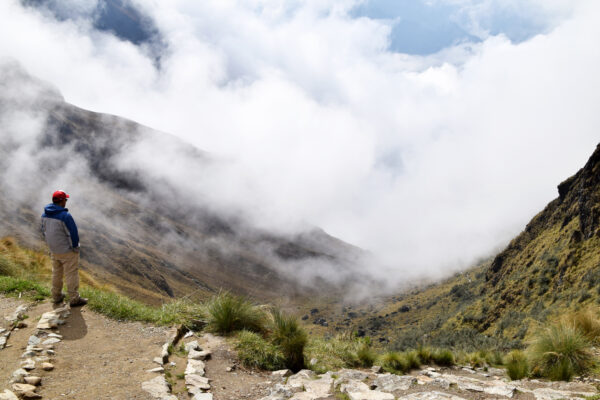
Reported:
(552, 267)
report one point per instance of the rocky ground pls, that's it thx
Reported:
(62, 353)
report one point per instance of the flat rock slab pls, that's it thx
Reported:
(195, 367)
(371, 395)
(392, 383)
(203, 396)
(197, 381)
(430, 396)
(158, 388)
(553, 394)
(8, 395)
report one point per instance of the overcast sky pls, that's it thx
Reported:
(428, 132)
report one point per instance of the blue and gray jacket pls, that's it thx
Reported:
(59, 229)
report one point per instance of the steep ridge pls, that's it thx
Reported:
(549, 268)
(140, 232)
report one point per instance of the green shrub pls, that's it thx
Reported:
(443, 358)
(290, 337)
(560, 352)
(366, 355)
(395, 363)
(255, 352)
(228, 313)
(517, 366)
(341, 351)
(425, 354)
(412, 359)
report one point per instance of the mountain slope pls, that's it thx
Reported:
(141, 231)
(551, 267)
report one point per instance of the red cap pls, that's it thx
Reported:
(59, 195)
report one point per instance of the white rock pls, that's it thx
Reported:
(321, 387)
(188, 334)
(354, 386)
(158, 360)
(20, 388)
(282, 373)
(33, 380)
(300, 378)
(33, 340)
(430, 396)
(3, 341)
(55, 335)
(28, 364)
(376, 369)
(371, 395)
(195, 367)
(283, 391)
(313, 361)
(193, 345)
(28, 354)
(198, 355)
(197, 381)
(306, 396)
(157, 369)
(158, 388)
(391, 382)
(8, 395)
(164, 353)
(19, 376)
(51, 340)
(47, 366)
(553, 394)
(500, 388)
(203, 396)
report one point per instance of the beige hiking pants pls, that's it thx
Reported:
(68, 264)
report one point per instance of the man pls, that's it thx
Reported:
(60, 232)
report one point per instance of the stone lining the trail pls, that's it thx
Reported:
(427, 384)
(158, 388)
(23, 384)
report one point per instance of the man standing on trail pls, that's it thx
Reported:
(60, 232)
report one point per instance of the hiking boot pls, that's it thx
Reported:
(79, 302)
(58, 300)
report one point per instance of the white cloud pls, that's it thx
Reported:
(430, 162)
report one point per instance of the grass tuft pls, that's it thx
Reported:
(517, 366)
(443, 358)
(228, 313)
(287, 333)
(256, 352)
(395, 363)
(560, 352)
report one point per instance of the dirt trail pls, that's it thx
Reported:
(99, 358)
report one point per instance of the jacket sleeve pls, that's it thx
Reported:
(72, 227)
(43, 228)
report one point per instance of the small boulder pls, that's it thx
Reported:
(8, 395)
(19, 376)
(282, 373)
(47, 366)
(33, 380)
(193, 345)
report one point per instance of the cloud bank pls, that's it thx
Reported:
(427, 161)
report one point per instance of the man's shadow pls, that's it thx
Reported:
(75, 326)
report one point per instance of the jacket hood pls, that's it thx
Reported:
(52, 209)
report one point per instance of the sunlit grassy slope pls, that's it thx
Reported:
(551, 268)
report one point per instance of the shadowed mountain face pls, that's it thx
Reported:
(141, 232)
